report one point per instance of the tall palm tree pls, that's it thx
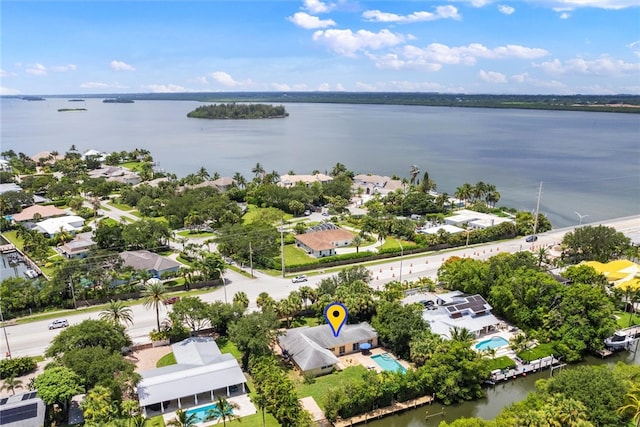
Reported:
(183, 420)
(413, 174)
(222, 411)
(265, 301)
(241, 298)
(258, 170)
(261, 403)
(117, 312)
(357, 242)
(240, 180)
(11, 384)
(462, 335)
(153, 296)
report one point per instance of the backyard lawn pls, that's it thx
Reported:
(318, 390)
(624, 320)
(538, 352)
(12, 236)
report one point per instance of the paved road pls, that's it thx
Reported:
(32, 339)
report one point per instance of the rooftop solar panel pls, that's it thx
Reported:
(12, 415)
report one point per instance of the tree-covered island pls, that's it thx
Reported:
(238, 111)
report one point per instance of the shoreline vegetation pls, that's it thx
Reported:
(233, 111)
(64, 110)
(622, 103)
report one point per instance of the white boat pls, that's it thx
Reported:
(31, 274)
(621, 339)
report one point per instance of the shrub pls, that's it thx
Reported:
(17, 367)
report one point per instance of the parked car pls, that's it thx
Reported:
(171, 300)
(59, 323)
(532, 238)
(299, 279)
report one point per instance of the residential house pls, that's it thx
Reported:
(475, 220)
(455, 309)
(155, 264)
(116, 174)
(289, 181)
(324, 243)
(376, 184)
(201, 371)
(79, 247)
(46, 157)
(52, 226)
(43, 212)
(101, 156)
(5, 166)
(22, 410)
(315, 350)
(9, 186)
(620, 273)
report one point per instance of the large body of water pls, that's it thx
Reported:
(588, 162)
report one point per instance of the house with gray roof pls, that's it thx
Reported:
(22, 410)
(155, 264)
(79, 247)
(315, 350)
(201, 372)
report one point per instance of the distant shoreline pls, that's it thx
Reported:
(589, 103)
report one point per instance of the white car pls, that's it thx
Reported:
(299, 279)
(60, 323)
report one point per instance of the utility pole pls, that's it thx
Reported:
(282, 246)
(401, 255)
(535, 223)
(4, 329)
(251, 259)
(73, 294)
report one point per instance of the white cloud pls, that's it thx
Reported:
(442, 12)
(202, 80)
(304, 20)
(225, 79)
(94, 85)
(507, 10)
(37, 70)
(492, 77)
(316, 6)
(475, 3)
(4, 73)
(602, 66)
(169, 88)
(394, 62)
(635, 47)
(565, 4)
(565, 15)
(121, 66)
(346, 42)
(324, 87)
(63, 68)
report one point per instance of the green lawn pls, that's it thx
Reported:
(254, 212)
(166, 360)
(318, 390)
(295, 256)
(187, 233)
(538, 352)
(12, 236)
(624, 320)
(305, 321)
(157, 421)
(121, 206)
(134, 166)
(392, 242)
(227, 346)
(501, 362)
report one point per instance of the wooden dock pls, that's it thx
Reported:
(7, 249)
(522, 369)
(383, 412)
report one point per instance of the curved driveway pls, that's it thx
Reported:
(31, 339)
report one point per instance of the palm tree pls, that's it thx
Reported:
(633, 405)
(11, 384)
(258, 170)
(241, 298)
(117, 312)
(265, 301)
(543, 256)
(222, 411)
(261, 403)
(413, 174)
(183, 420)
(357, 242)
(462, 335)
(240, 180)
(153, 296)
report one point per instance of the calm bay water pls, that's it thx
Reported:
(589, 162)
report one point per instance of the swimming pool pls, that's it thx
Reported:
(493, 343)
(388, 363)
(201, 413)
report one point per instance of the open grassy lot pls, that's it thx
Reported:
(120, 206)
(272, 215)
(321, 385)
(295, 256)
(133, 166)
(392, 243)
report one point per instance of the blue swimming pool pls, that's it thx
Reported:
(388, 363)
(201, 413)
(495, 342)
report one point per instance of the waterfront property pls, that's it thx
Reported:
(620, 273)
(52, 226)
(492, 343)
(79, 247)
(315, 350)
(475, 220)
(35, 211)
(289, 181)
(375, 184)
(201, 371)
(388, 363)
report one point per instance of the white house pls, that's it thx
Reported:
(475, 220)
(52, 226)
(291, 180)
(201, 371)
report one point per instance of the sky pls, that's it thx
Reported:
(448, 46)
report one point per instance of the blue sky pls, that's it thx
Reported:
(448, 46)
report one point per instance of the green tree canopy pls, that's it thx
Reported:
(89, 333)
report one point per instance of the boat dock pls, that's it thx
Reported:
(7, 249)
(522, 369)
(383, 412)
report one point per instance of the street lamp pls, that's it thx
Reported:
(401, 255)
(4, 329)
(580, 216)
(224, 284)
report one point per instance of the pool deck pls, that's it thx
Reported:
(365, 360)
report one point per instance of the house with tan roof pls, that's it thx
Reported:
(376, 184)
(289, 181)
(43, 212)
(324, 243)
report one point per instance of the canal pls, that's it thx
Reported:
(498, 396)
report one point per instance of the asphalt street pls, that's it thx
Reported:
(31, 339)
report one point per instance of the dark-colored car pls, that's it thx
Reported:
(171, 300)
(532, 238)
